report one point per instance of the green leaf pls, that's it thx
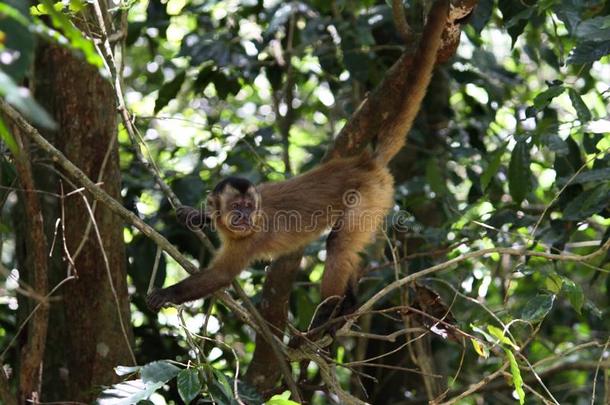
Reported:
(589, 51)
(553, 283)
(587, 203)
(169, 90)
(538, 307)
(21, 99)
(519, 172)
(555, 144)
(500, 336)
(128, 392)
(159, 371)
(76, 38)
(516, 374)
(282, 399)
(8, 139)
(480, 348)
(543, 99)
(223, 383)
(594, 29)
(582, 111)
(590, 176)
(575, 294)
(189, 385)
(492, 167)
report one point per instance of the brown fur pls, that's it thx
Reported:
(349, 195)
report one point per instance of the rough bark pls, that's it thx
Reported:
(87, 331)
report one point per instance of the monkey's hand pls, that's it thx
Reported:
(159, 298)
(190, 217)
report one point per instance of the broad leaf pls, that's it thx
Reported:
(575, 294)
(519, 172)
(589, 51)
(538, 307)
(189, 385)
(492, 167)
(582, 111)
(169, 90)
(128, 392)
(159, 371)
(543, 99)
(587, 203)
(8, 139)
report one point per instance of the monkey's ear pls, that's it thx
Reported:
(212, 206)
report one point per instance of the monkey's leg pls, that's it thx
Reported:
(340, 279)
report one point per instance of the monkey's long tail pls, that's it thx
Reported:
(393, 135)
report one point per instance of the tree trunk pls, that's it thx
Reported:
(89, 328)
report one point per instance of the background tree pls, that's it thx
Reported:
(490, 282)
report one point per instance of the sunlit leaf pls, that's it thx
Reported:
(128, 392)
(124, 370)
(553, 283)
(499, 335)
(8, 139)
(480, 348)
(575, 294)
(282, 399)
(77, 40)
(538, 307)
(516, 374)
(582, 111)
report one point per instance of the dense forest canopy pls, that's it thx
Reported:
(488, 283)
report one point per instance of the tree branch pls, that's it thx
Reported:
(36, 244)
(400, 21)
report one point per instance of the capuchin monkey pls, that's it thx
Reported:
(349, 196)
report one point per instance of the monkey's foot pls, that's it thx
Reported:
(328, 319)
(157, 299)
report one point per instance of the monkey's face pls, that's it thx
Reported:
(237, 209)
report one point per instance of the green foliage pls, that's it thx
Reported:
(189, 385)
(520, 161)
(511, 151)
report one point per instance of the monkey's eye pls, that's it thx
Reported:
(248, 204)
(234, 206)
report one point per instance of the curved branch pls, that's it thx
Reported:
(400, 21)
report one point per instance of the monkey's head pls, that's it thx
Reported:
(234, 205)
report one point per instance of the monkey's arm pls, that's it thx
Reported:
(192, 218)
(223, 269)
